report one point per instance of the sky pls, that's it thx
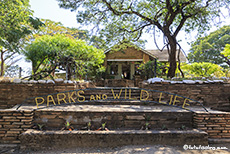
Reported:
(49, 9)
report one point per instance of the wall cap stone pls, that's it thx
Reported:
(177, 81)
(41, 81)
(25, 81)
(50, 81)
(17, 81)
(59, 80)
(33, 81)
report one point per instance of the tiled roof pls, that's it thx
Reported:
(163, 56)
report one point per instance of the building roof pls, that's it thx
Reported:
(145, 51)
(163, 56)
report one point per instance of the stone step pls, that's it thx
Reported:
(115, 116)
(36, 140)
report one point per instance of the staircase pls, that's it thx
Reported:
(128, 122)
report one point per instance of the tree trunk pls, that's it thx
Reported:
(33, 68)
(172, 57)
(69, 73)
(2, 64)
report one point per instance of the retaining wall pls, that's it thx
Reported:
(216, 124)
(12, 94)
(13, 123)
(216, 96)
(55, 120)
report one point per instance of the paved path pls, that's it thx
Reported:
(117, 108)
(142, 149)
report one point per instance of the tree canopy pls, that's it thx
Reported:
(15, 23)
(203, 69)
(226, 53)
(51, 28)
(209, 48)
(129, 19)
(59, 51)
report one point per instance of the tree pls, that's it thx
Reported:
(51, 28)
(13, 71)
(226, 54)
(203, 69)
(209, 48)
(59, 51)
(130, 18)
(148, 69)
(15, 18)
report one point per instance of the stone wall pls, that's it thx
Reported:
(13, 123)
(37, 140)
(55, 119)
(216, 124)
(216, 96)
(12, 94)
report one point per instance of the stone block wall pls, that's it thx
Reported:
(55, 120)
(13, 123)
(37, 140)
(216, 124)
(216, 96)
(12, 94)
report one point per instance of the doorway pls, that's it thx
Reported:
(126, 70)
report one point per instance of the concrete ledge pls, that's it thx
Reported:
(35, 140)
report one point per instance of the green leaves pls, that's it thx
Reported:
(208, 48)
(226, 51)
(47, 52)
(203, 69)
(14, 17)
(15, 25)
(118, 20)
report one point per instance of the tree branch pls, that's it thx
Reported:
(9, 56)
(39, 64)
(132, 12)
(137, 29)
(180, 26)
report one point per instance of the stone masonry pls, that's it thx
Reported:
(13, 123)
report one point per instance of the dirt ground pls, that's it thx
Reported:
(141, 149)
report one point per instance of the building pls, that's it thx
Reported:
(123, 64)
